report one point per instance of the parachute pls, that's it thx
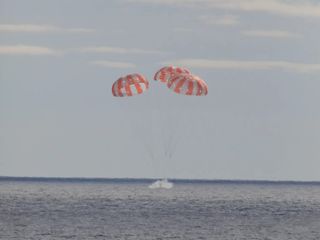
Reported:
(166, 73)
(188, 84)
(130, 85)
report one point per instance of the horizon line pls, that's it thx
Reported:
(146, 179)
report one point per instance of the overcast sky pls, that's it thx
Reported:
(260, 59)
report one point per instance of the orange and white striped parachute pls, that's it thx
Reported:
(188, 84)
(166, 73)
(130, 85)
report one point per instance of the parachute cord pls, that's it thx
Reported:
(172, 126)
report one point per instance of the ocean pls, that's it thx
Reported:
(39, 208)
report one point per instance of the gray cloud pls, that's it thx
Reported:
(27, 50)
(113, 64)
(270, 34)
(247, 65)
(33, 28)
(117, 50)
(226, 20)
(279, 7)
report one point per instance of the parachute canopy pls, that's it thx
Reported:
(166, 73)
(130, 85)
(188, 84)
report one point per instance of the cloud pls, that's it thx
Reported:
(118, 50)
(247, 65)
(227, 20)
(27, 50)
(39, 50)
(279, 7)
(113, 64)
(32, 28)
(270, 34)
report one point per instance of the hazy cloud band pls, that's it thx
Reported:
(113, 64)
(27, 50)
(247, 65)
(279, 7)
(33, 28)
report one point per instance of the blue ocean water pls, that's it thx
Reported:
(128, 209)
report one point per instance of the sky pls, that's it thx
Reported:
(260, 59)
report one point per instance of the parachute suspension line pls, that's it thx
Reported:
(172, 128)
(160, 132)
(152, 143)
(175, 128)
(163, 129)
(169, 133)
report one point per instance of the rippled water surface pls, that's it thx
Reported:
(130, 210)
